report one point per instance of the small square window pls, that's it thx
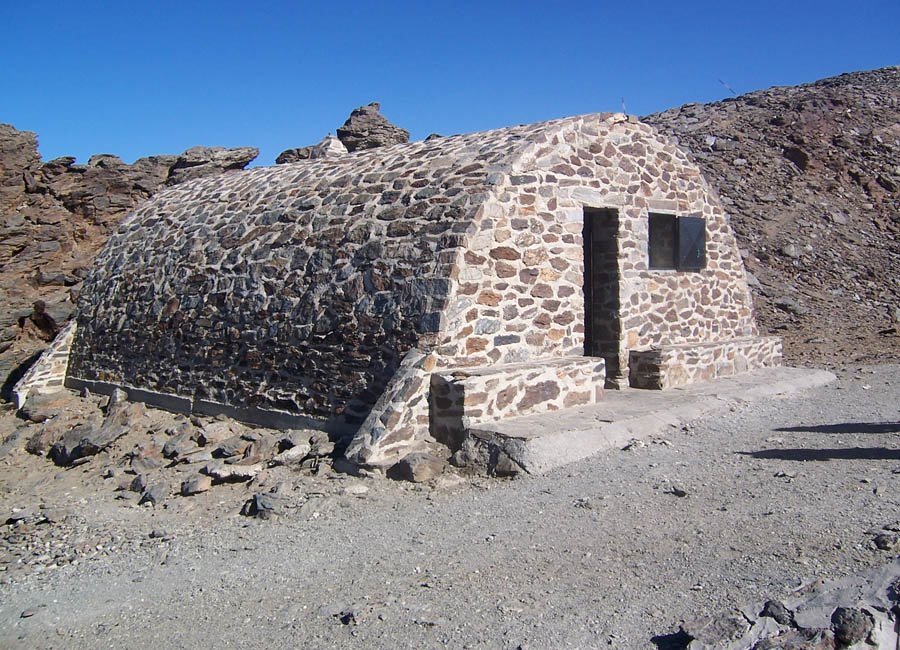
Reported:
(677, 243)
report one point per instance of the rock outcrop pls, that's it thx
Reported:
(810, 176)
(198, 162)
(329, 147)
(367, 128)
(55, 215)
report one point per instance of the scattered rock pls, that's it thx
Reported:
(320, 445)
(85, 440)
(776, 610)
(155, 493)
(216, 432)
(219, 471)
(40, 407)
(291, 456)
(417, 467)
(886, 541)
(504, 466)
(179, 445)
(145, 459)
(195, 485)
(199, 456)
(293, 155)
(265, 506)
(356, 490)
(851, 625)
(329, 147)
(199, 162)
(716, 631)
(137, 484)
(233, 446)
(790, 305)
(806, 639)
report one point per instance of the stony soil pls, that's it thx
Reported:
(603, 553)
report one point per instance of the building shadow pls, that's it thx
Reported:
(6, 390)
(847, 427)
(677, 641)
(849, 453)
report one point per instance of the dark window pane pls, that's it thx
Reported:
(662, 241)
(691, 243)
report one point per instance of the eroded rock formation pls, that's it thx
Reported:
(55, 215)
(367, 128)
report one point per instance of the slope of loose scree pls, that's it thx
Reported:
(810, 176)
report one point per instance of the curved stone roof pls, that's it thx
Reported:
(301, 287)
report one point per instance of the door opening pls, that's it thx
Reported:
(602, 326)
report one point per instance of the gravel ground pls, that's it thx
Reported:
(609, 552)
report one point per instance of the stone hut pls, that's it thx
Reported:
(394, 296)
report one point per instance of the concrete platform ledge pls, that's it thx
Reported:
(539, 443)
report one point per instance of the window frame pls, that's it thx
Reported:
(676, 242)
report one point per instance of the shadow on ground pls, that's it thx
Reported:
(677, 641)
(847, 427)
(849, 453)
(6, 390)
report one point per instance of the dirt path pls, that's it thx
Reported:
(602, 553)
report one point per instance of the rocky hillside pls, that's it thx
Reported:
(811, 178)
(54, 217)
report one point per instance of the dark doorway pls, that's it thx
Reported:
(602, 326)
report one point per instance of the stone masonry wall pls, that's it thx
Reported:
(49, 372)
(676, 365)
(304, 288)
(297, 288)
(520, 289)
(461, 397)
(399, 420)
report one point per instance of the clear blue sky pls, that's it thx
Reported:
(136, 78)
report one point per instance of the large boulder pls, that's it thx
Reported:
(367, 128)
(198, 162)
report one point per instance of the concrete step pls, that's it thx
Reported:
(539, 443)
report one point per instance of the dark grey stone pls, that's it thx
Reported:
(417, 468)
(367, 128)
(776, 610)
(265, 506)
(155, 493)
(851, 625)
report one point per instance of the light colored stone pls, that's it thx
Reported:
(195, 485)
